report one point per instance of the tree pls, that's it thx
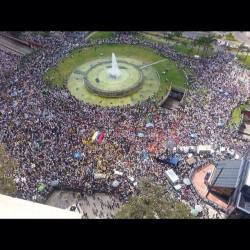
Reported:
(199, 41)
(240, 48)
(203, 42)
(151, 203)
(206, 41)
(193, 44)
(177, 34)
(7, 166)
(169, 35)
(209, 40)
(247, 50)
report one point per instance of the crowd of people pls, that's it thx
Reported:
(98, 206)
(8, 61)
(42, 128)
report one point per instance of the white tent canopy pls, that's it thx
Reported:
(171, 176)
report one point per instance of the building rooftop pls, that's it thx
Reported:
(226, 174)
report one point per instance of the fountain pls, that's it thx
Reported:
(114, 72)
(107, 79)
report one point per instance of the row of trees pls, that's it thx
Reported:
(205, 42)
(171, 35)
(201, 41)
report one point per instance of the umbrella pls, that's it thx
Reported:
(236, 157)
(14, 93)
(118, 172)
(131, 178)
(186, 181)
(198, 208)
(170, 144)
(149, 125)
(54, 183)
(231, 152)
(140, 135)
(144, 155)
(115, 183)
(194, 212)
(174, 161)
(193, 136)
(177, 187)
(222, 149)
(77, 155)
(41, 187)
(221, 124)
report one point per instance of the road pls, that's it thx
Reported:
(243, 37)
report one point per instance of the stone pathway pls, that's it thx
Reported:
(98, 206)
(153, 63)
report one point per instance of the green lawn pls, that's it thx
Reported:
(100, 35)
(57, 76)
(236, 114)
(245, 61)
(230, 37)
(180, 47)
(7, 165)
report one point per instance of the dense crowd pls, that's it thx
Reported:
(8, 61)
(42, 128)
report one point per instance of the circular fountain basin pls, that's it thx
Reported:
(98, 81)
(124, 90)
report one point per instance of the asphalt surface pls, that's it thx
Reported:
(243, 37)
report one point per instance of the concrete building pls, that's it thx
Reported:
(14, 208)
(231, 181)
